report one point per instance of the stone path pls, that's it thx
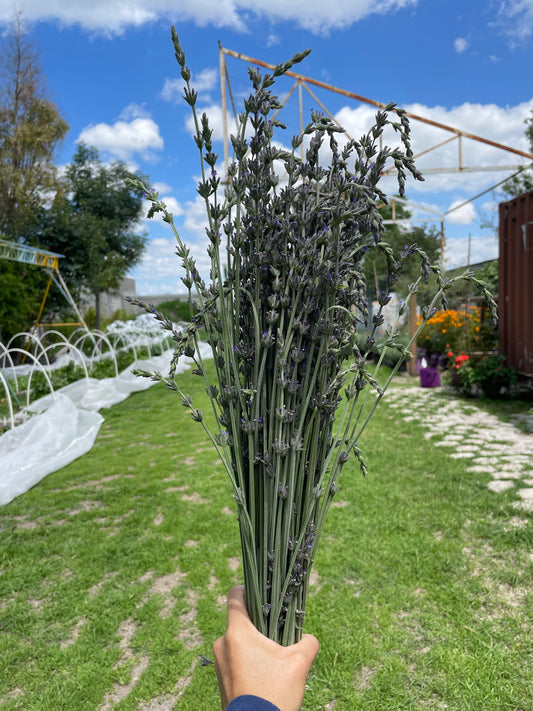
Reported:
(487, 444)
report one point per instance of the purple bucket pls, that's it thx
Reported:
(429, 377)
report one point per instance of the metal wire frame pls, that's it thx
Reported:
(304, 82)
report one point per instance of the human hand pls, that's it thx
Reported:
(247, 662)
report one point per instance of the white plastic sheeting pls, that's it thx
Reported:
(64, 425)
(43, 444)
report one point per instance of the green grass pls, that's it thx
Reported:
(118, 565)
(176, 309)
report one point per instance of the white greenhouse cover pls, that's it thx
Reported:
(63, 426)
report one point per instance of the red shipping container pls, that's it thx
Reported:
(515, 289)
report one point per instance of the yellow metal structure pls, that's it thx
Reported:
(49, 261)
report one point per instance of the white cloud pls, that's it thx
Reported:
(321, 17)
(161, 188)
(157, 272)
(172, 205)
(515, 17)
(482, 248)
(112, 17)
(273, 39)
(503, 125)
(460, 214)
(133, 111)
(460, 45)
(203, 82)
(489, 205)
(125, 139)
(216, 124)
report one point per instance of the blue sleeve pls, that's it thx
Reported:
(251, 703)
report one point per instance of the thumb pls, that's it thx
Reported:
(308, 647)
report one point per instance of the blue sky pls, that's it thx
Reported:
(110, 68)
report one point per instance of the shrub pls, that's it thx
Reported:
(487, 374)
(456, 331)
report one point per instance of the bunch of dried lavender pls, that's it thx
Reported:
(282, 311)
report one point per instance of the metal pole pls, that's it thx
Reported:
(412, 331)
(301, 107)
(222, 64)
(379, 104)
(69, 298)
(36, 324)
(442, 245)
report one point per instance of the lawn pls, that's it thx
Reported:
(114, 570)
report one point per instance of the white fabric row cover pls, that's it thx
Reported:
(63, 426)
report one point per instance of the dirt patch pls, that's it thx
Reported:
(126, 632)
(164, 586)
(213, 582)
(83, 506)
(189, 634)
(188, 461)
(147, 576)
(227, 511)
(172, 489)
(95, 589)
(511, 596)
(190, 543)
(363, 678)
(23, 523)
(194, 498)
(314, 581)
(76, 632)
(35, 604)
(167, 702)
(98, 483)
(14, 694)
(158, 520)
(233, 564)
(121, 691)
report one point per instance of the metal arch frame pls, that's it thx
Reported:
(304, 82)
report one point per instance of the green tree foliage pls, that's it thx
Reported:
(31, 129)
(523, 182)
(398, 235)
(21, 292)
(94, 222)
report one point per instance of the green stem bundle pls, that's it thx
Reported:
(283, 313)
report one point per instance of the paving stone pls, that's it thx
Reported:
(526, 494)
(496, 448)
(509, 474)
(483, 469)
(499, 485)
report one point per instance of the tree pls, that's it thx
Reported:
(31, 129)
(94, 222)
(397, 235)
(523, 182)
